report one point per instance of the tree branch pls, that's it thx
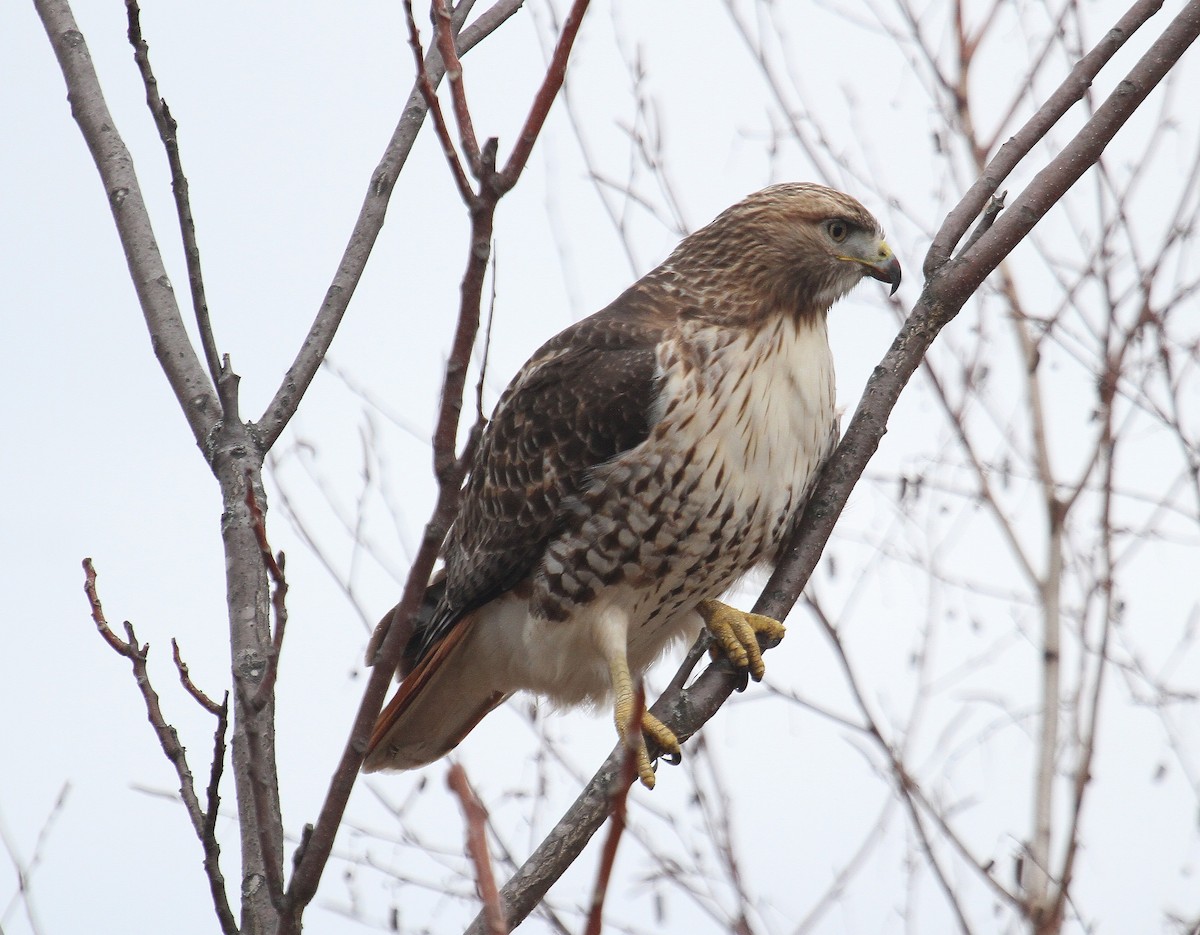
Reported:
(545, 97)
(167, 132)
(191, 385)
(366, 229)
(443, 27)
(168, 739)
(949, 286)
(475, 815)
(448, 471)
(1018, 146)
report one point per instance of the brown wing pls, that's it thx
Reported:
(582, 399)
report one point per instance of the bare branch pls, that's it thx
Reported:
(444, 31)
(1019, 145)
(476, 818)
(168, 133)
(192, 386)
(555, 73)
(429, 94)
(189, 686)
(168, 739)
(366, 229)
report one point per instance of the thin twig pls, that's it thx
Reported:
(444, 33)
(168, 739)
(190, 687)
(168, 130)
(555, 73)
(275, 566)
(24, 870)
(208, 839)
(616, 828)
(475, 816)
(434, 107)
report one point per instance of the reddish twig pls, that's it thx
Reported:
(444, 35)
(208, 839)
(617, 810)
(475, 816)
(137, 655)
(435, 108)
(449, 472)
(168, 738)
(274, 566)
(555, 73)
(208, 833)
(217, 710)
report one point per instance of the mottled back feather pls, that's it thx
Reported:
(581, 400)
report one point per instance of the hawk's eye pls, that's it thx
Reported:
(837, 230)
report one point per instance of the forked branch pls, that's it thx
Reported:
(203, 820)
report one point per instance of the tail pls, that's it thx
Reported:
(439, 702)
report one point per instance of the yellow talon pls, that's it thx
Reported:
(623, 707)
(736, 633)
(662, 735)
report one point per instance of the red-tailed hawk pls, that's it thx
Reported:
(639, 464)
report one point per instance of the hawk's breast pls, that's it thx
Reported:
(743, 422)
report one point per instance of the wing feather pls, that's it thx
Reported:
(583, 398)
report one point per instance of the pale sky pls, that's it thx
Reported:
(283, 114)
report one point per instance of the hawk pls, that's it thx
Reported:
(637, 466)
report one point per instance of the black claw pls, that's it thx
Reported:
(674, 759)
(743, 680)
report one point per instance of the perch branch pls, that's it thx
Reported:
(948, 288)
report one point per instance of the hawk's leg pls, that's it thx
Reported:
(736, 633)
(631, 737)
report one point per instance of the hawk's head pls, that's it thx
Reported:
(796, 247)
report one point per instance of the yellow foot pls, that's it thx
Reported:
(737, 632)
(662, 735)
(652, 727)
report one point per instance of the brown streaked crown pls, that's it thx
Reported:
(768, 253)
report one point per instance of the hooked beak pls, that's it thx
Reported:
(886, 268)
(882, 266)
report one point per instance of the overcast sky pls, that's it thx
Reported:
(284, 112)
